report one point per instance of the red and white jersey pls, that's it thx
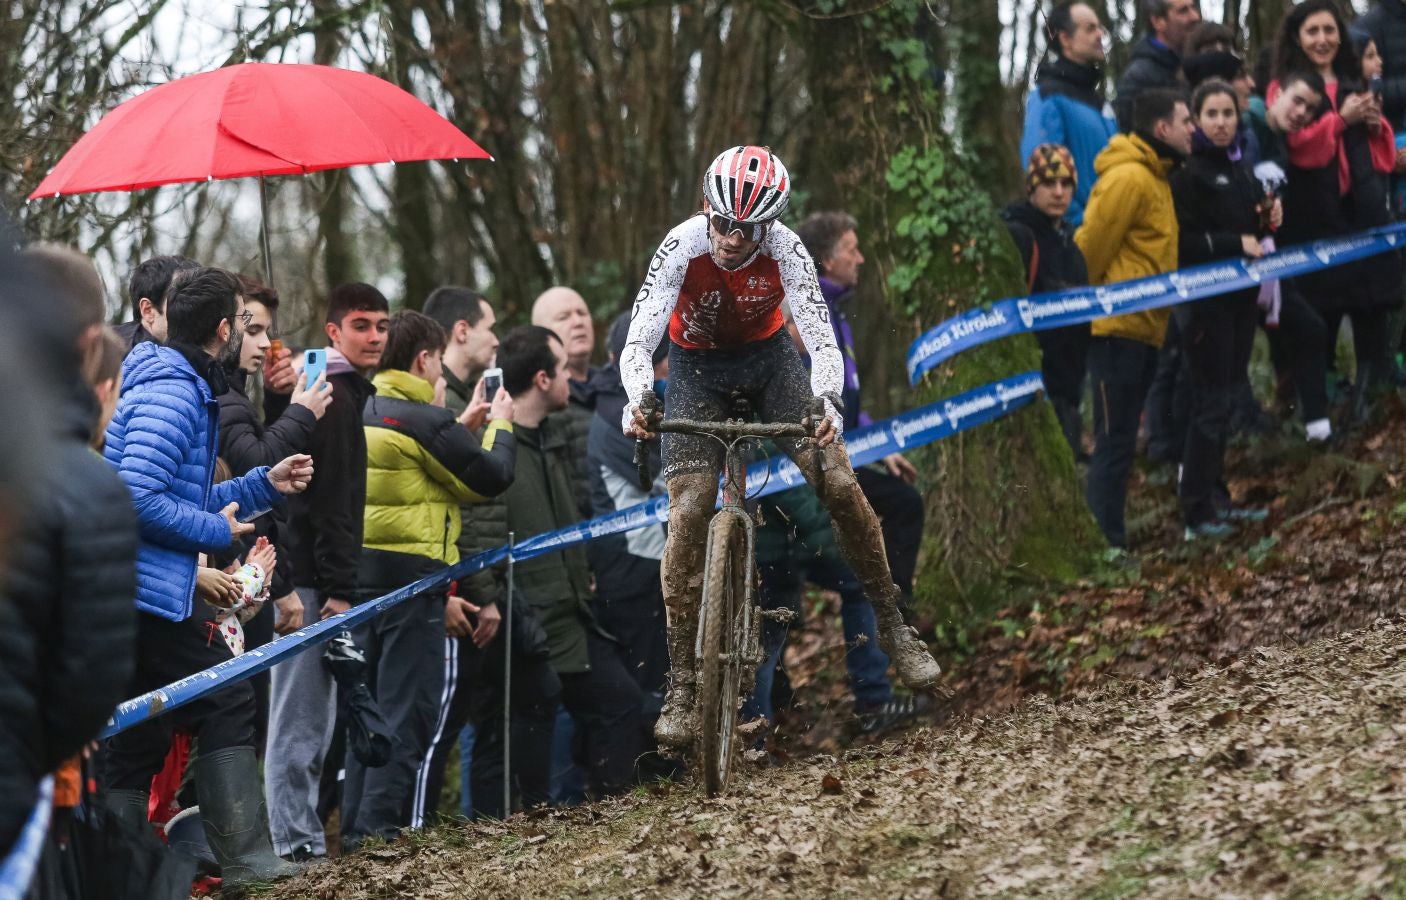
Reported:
(707, 307)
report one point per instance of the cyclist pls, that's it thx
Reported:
(717, 283)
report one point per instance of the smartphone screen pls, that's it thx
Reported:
(314, 364)
(492, 381)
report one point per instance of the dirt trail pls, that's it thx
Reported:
(1278, 775)
(1233, 724)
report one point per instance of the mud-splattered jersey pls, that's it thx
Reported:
(706, 307)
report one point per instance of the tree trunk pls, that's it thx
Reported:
(1262, 24)
(1003, 502)
(985, 122)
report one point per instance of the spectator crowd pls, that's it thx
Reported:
(208, 487)
(1205, 156)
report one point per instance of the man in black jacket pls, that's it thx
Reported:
(246, 444)
(1156, 58)
(629, 600)
(1386, 23)
(146, 290)
(68, 632)
(1053, 262)
(324, 531)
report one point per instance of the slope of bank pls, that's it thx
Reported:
(1278, 774)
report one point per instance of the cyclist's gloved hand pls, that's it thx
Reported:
(634, 423)
(833, 423)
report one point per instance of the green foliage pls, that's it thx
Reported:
(932, 197)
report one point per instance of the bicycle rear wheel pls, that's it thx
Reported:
(722, 627)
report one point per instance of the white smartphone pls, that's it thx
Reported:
(492, 381)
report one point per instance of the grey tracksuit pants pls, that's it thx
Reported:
(302, 714)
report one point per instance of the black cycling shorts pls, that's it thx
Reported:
(703, 384)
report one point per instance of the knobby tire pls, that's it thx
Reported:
(720, 659)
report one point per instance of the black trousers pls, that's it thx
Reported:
(474, 693)
(605, 704)
(1296, 349)
(1121, 371)
(1370, 340)
(1063, 365)
(169, 651)
(404, 649)
(536, 694)
(637, 620)
(1169, 398)
(899, 507)
(257, 632)
(1217, 335)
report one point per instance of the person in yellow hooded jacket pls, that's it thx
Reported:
(1129, 231)
(422, 464)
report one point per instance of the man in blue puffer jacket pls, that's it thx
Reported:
(1067, 106)
(162, 442)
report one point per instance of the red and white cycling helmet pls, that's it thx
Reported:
(748, 186)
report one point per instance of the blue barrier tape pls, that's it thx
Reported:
(913, 428)
(17, 868)
(1073, 306)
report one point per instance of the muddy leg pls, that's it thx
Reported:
(691, 499)
(861, 540)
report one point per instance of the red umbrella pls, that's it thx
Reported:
(254, 119)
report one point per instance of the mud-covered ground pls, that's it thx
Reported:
(1225, 721)
(1278, 775)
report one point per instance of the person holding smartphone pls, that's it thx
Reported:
(422, 465)
(324, 547)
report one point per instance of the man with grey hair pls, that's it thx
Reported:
(565, 312)
(831, 238)
(1156, 61)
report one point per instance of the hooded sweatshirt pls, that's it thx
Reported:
(1130, 229)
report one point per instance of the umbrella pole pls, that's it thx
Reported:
(264, 230)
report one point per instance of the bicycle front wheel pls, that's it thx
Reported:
(722, 627)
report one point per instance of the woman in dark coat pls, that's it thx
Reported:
(1221, 214)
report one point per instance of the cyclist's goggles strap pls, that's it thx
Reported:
(750, 231)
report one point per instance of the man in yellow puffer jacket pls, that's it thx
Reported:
(1129, 231)
(422, 463)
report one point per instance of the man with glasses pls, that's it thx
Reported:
(716, 284)
(161, 442)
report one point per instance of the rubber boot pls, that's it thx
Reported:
(129, 807)
(236, 819)
(691, 499)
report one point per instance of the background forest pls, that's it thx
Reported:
(600, 117)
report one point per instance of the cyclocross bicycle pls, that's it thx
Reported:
(727, 650)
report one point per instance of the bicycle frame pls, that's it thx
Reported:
(727, 643)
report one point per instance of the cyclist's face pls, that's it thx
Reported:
(730, 250)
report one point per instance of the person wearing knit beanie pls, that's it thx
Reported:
(1045, 238)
